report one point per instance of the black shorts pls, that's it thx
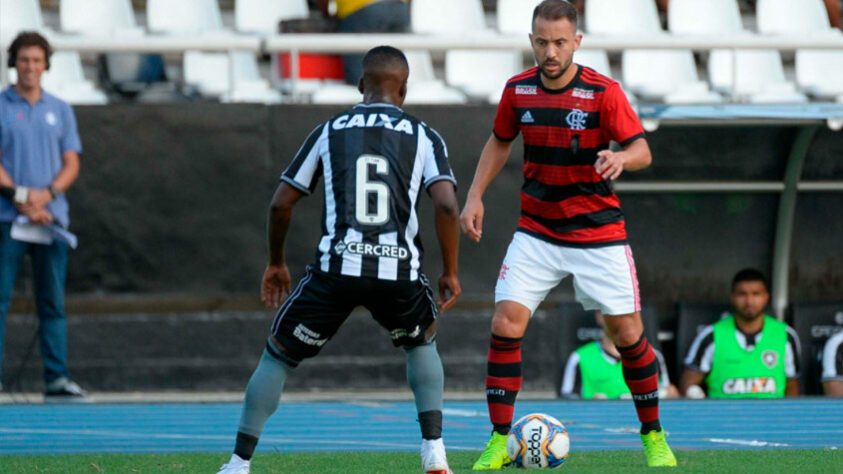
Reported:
(320, 303)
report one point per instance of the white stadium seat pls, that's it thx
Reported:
(66, 80)
(462, 67)
(19, 15)
(262, 16)
(818, 72)
(98, 17)
(668, 75)
(183, 16)
(337, 94)
(515, 17)
(755, 76)
(423, 87)
(212, 73)
(596, 59)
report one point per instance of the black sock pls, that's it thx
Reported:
(245, 445)
(431, 424)
(650, 426)
(502, 429)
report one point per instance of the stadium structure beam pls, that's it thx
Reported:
(785, 218)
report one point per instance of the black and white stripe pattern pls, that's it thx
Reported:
(377, 155)
(833, 358)
(701, 354)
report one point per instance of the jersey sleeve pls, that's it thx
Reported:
(833, 359)
(70, 140)
(572, 378)
(792, 354)
(617, 117)
(506, 124)
(435, 152)
(303, 173)
(701, 353)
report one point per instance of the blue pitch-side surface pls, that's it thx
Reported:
(388, 426)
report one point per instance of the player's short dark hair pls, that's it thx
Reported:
(381, 57)
(555, 10)
(29, 38)
(750, 274)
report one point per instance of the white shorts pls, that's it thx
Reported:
(604, 277)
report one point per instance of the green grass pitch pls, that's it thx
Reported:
(737, 461)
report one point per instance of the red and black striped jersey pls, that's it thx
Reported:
(563, 199)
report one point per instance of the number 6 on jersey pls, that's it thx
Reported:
(365, 187)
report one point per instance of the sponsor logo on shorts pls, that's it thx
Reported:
(750, 385)
(400, 332)
(526, 90)
(311, 338)
(372, 250)
(502, 274)
(583, 93)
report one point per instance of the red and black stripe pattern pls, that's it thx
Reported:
(503, 380)
(641, 373)
(563, 199)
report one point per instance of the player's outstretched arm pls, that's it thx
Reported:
(447, 211)
(635, 156)
(494, 156)
(276, 277)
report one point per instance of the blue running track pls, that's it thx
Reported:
(391, 426)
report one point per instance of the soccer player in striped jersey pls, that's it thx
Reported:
(571, 222)
(375, 160)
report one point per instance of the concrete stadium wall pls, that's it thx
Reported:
(170, 208)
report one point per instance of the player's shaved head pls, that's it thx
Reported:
(385, 72)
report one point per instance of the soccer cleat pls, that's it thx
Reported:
(656, 449)
(494, 456)
(433, 457)
(236, 465)
(64, 387)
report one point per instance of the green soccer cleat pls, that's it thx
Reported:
(657, 451)
(494, 456)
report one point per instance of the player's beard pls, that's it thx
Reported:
(563, 68)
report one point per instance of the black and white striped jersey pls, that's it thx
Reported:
(375, 160)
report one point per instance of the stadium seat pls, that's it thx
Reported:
(19, 15)
(461, 66)
(515, 17)
(818, 72)
(183, 16)
(676, 80)
(98, 17)
(262, 16)
(815, 323)
(337, 94)
(212, 73)
(693, 318)
(66, 80)
(596, 59)
(758, 76)
(423, 87)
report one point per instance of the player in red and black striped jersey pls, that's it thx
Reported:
(571, 222)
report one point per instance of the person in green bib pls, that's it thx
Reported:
(594, 371)
(748, 353)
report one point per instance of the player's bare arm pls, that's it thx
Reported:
(635, 156)
(492, 160)
(38, 215)
(39, 198)
(791, 388)
(447, 211)
(276, 277)
(690, 377)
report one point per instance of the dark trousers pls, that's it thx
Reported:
(49, 268)
(385, 16)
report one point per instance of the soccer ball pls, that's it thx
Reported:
(537, 441)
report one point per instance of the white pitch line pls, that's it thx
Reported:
(743, 442)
